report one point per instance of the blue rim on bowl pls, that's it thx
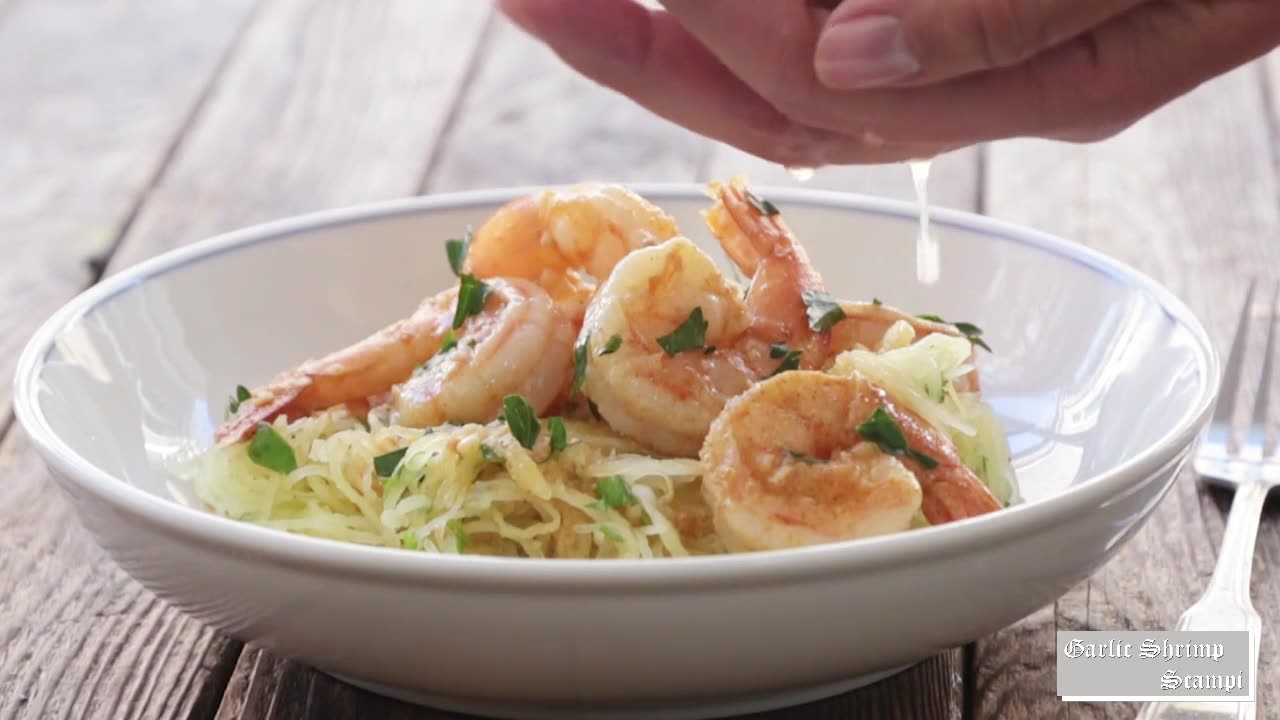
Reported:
(185, 524)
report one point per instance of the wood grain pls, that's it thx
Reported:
(94, 96)
(1188, 195)
(324, 104)
(527, 119)
(330, 103)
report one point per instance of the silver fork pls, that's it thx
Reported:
(1252, 468)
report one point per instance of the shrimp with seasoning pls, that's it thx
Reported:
(686, 340)
(786, 465)
(550, 245)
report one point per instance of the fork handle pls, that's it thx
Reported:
(1225, 604)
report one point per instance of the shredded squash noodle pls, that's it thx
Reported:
(466, 488)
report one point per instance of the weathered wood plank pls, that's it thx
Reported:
(325, 103)
(527, 119)
(1188, 195)
(331, 103)
(94, 96)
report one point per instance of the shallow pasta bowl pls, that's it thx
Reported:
(1101, 378)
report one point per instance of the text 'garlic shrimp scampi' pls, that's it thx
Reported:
(668, 339)
(806, 458)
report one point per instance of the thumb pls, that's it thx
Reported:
(871, 43)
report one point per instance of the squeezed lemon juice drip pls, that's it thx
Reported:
(928, 260)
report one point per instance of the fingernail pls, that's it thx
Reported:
(863, 51)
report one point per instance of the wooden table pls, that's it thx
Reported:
(129, 127)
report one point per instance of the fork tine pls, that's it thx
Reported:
(1220, 427)
(1259, 424)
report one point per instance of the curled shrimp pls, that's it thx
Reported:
(556, 240)
(667, 399)
(567, 240)
(521, 344)
(785, 466)
(349, 376)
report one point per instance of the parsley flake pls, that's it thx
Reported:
(690, 335)
(931, 318)
(471, 298)
(972, 332)
(559, 438)
(457, 251)
(450, 342)
(579, 364)
(614, 492)
(778, 350)
(460, 537)
(760, 204)
(884, 431)
(409, 540)
(801, 457)
(612, 346)
(270, 450)
(520, 418)
(242, 393)
(790, 361)
(823, 310)
(385, 465)
(490, 455)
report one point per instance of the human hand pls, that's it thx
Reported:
(889, 80)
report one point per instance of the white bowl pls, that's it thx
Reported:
(1101, 377)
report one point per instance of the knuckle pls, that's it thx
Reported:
(1008, 31)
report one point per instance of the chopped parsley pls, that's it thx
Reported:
(521, 419)
(409, 540)
(823, 310)
(610, 533)
(471, 297)
(690, 335)
(450, 342)
(778, 350)
(272, 451)
(612, 346)
(559, 438)
(875, 301)
(457, 252)
(884, 431)
(801, 457)
(790, 361)
(972, 332)
(614, 492)
(490, 455)
(242, 393)
(763, 206)
(386, 464)
(460, 537)
(579, 364)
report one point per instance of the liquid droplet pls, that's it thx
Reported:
(928, 260)
(801, 173)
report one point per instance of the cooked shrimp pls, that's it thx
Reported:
(878, 327)
(521, 344)
(351, 375)
(784, 466)
(668, 399)
(567, 240)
